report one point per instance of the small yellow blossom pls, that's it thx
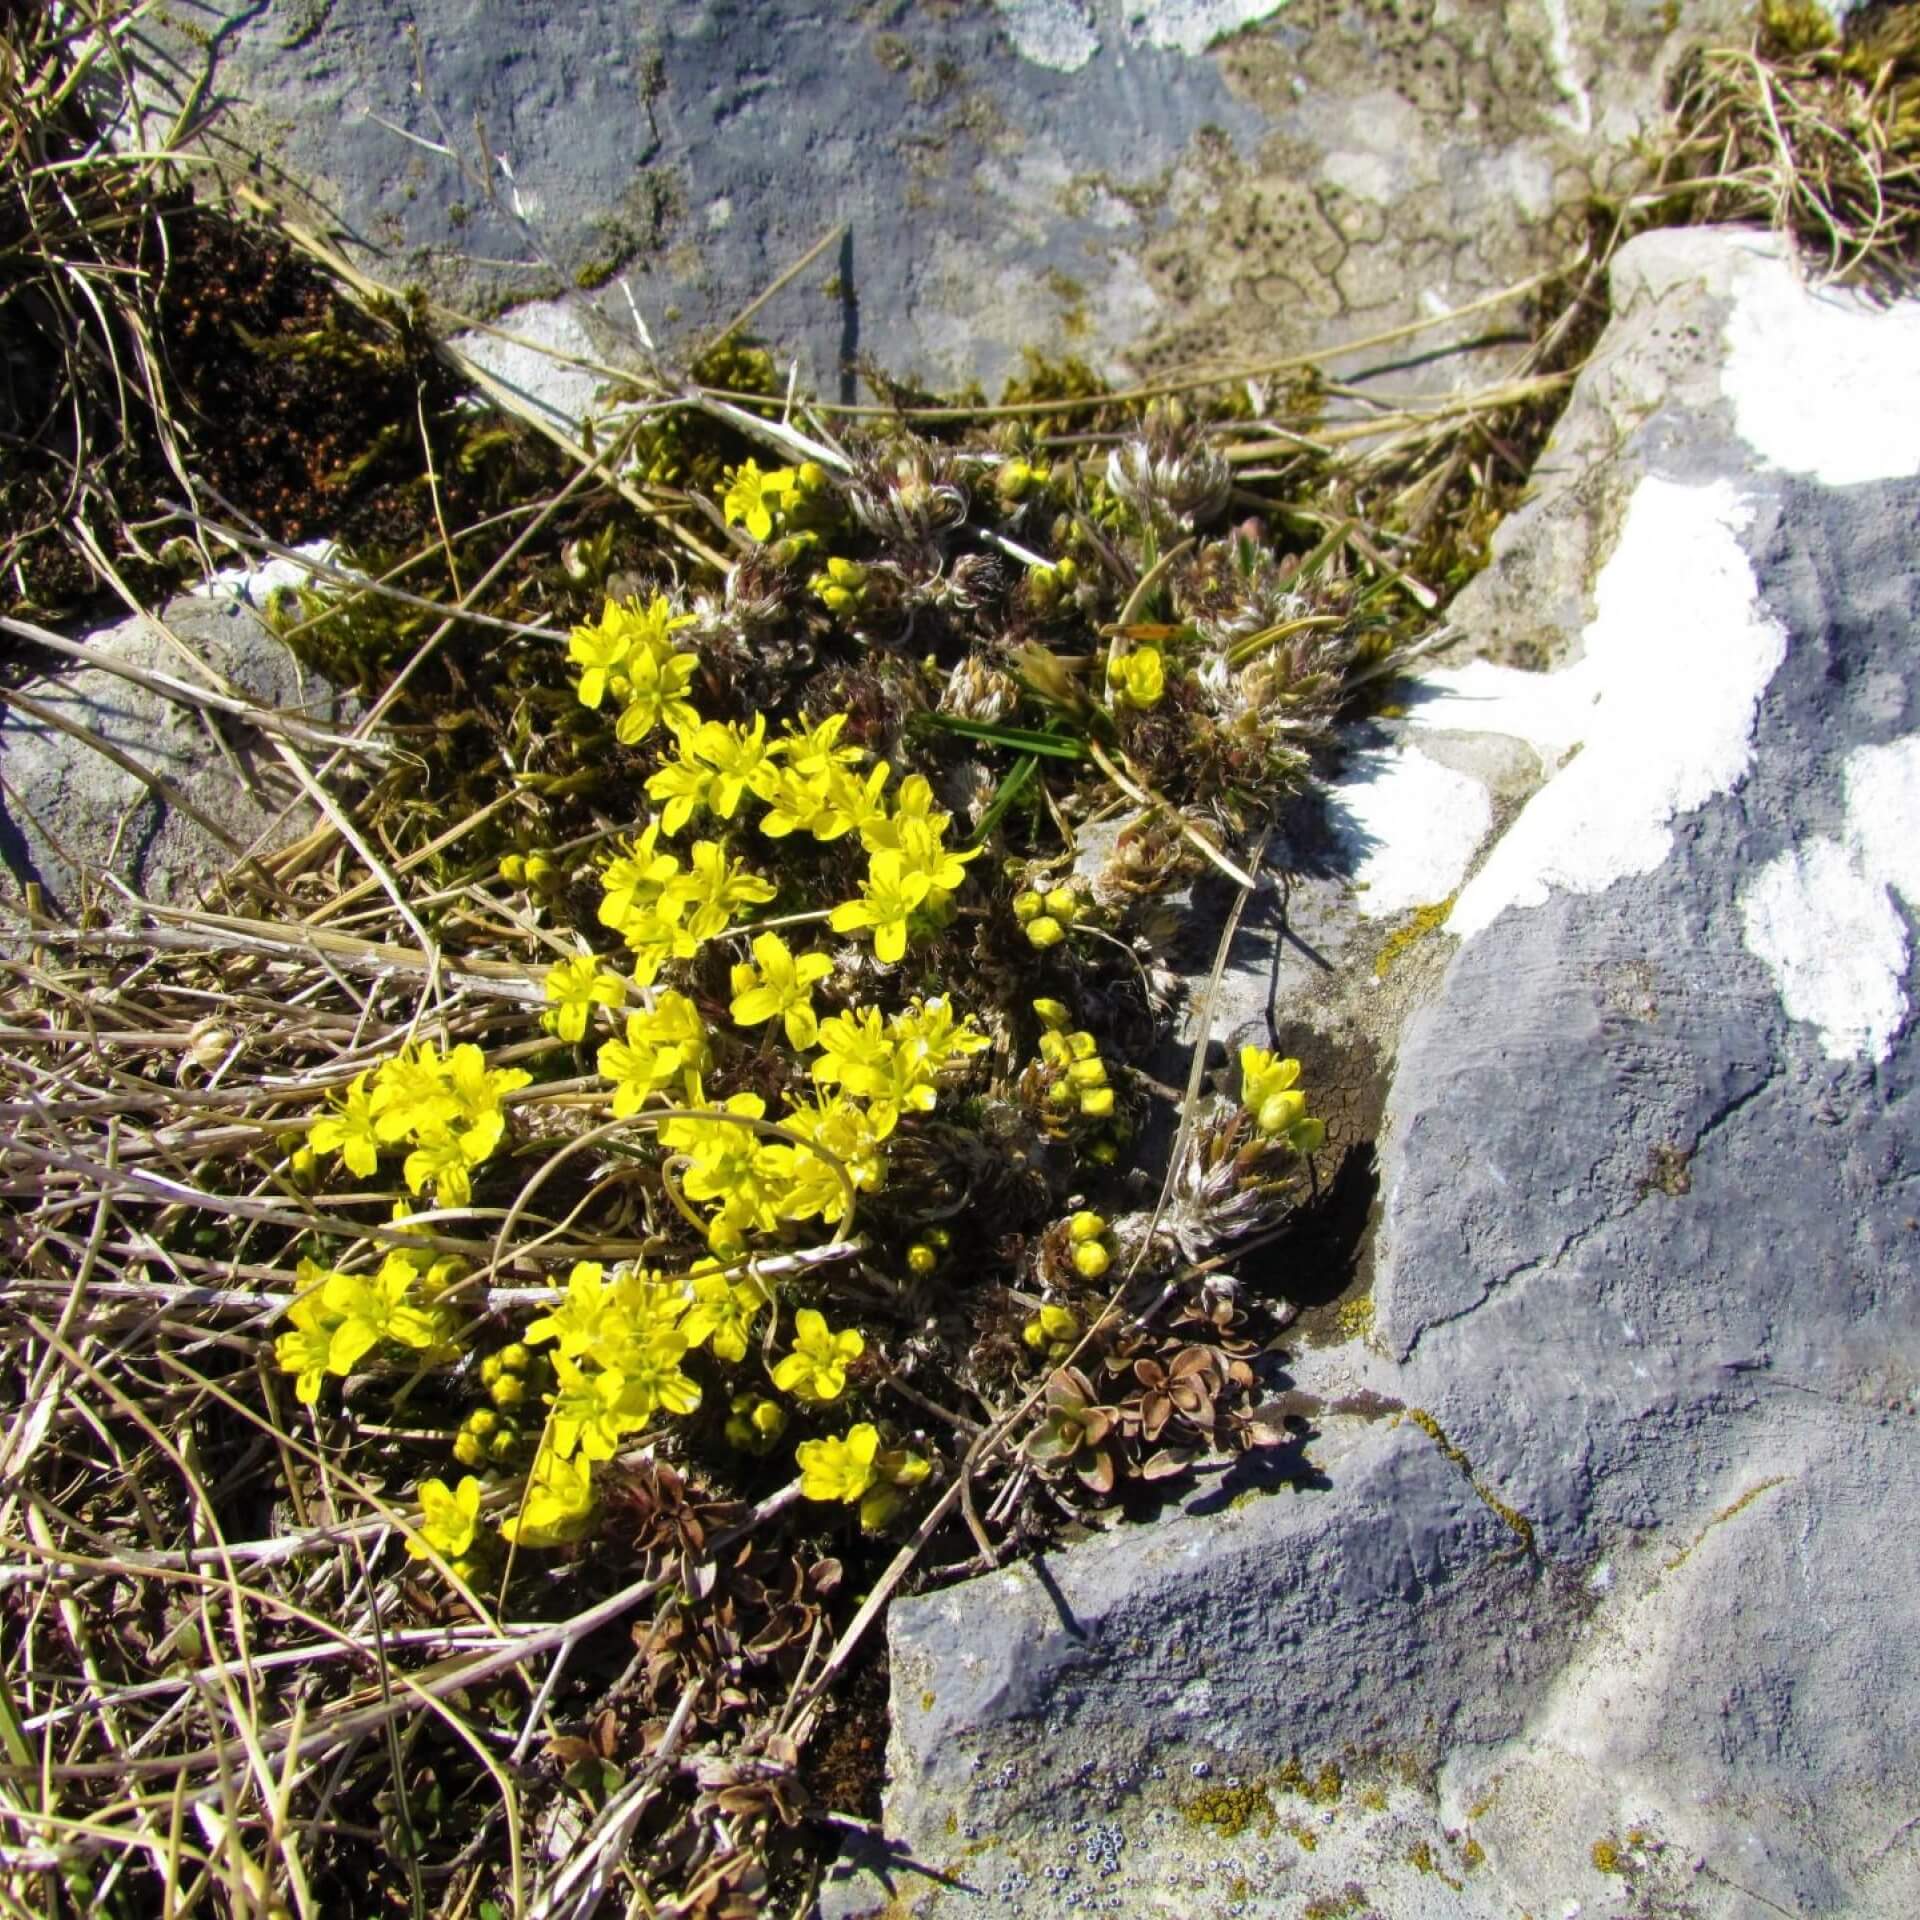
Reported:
(816, 1369)
(349, 1130)
(724, 1310)
(753, 498)
(449, 1518)
(558, 1499)
(779, 984)
(1138, 679)
(1278, 1107)
(715, 888)
(841, 1470)
(891, 896)
(576, 987)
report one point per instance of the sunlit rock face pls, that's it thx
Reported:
(1595, 1580)
(1132, 181)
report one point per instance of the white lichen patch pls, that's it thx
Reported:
(255, 584)
(1821, 383)
(1192, 26)
(1409, 826)
(1821, 916)
(1654, 720)
(535, 353)
(1051, 33)
(1066, 34)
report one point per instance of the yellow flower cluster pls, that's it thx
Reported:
(1045, 918)
(665, 1047)
(339, 1318)
(629, 654)
(759, 500)
(665, 910)
(1080, 1085)
(910, 870)
(618, 1345)
(446, 1106)
(1278, 1107)
(870, 1069)
(858, 1470)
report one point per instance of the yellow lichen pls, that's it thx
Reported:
(1418, 924)
(1230, 1810)
(1322, 1788)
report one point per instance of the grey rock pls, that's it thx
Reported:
(1088, 178)
(1620, 1614)
(70, 815)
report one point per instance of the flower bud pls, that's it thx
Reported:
(1091, 1260)
(1045, 932)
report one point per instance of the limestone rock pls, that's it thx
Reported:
(70, 815)
(1619, 1612)
(1137, 179)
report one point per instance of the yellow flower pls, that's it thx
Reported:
(307, 1351)
(441, 1161)
(753, 497)
(1279, 1109)
(558, 1498)
(684, 783)
(656, 693)
(816, 1369)
(576, 987)
(730, 1163)
(411, 1095)
(349, 1130)
(740, 761)
(801, 802)
(714, 888)
(780, 984)
(839, 1469)
(1138, 679)
(912, 805)
(449, 1518)
(588, 1414)
(600, 651)
(638, 881)
(815, 751)
(668, 1042)
(723, 1314)
(576, 1323)
(853, 1137)
(890, 897)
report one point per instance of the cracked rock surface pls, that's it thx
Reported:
(1598, 1589)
